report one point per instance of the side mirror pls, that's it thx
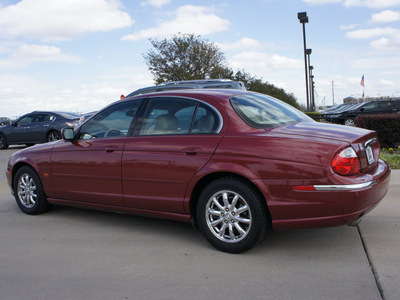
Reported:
(15, 124)
(362, 109)
(67, 134)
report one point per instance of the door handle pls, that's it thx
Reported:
(110, 148)
(191, 151)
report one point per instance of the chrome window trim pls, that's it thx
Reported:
(221, 123)
(346, 187)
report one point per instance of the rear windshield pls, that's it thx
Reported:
(262, 111)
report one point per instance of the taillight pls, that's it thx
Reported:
(346, 162)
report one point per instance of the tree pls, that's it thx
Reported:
(257, 85)
(185, 57)
(191, 57)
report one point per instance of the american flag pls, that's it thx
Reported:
(362, 80)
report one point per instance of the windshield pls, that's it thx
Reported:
(262, 111)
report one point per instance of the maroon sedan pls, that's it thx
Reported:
(235, 163)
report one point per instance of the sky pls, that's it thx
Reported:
(79, 56)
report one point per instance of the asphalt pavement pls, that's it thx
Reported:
(71, 253)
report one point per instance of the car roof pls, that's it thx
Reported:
(191, 84)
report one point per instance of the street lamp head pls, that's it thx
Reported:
(308, 51)
(302, 16)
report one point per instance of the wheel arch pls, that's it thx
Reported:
(204, 181)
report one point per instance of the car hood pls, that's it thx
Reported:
(325, 131)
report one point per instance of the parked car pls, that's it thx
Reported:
(36, 127)
(332, 115)
(4, 121)
(191, 84)
(347, 117)
(85, 117)
(235, 163)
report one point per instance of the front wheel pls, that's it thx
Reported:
(349, 122)
(3, 142)
(231, 215)
(53, 136)
(28, 192)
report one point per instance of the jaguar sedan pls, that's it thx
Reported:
(234, 163)
(36, 127)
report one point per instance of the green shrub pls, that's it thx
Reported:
(314, 115)
(387, 127)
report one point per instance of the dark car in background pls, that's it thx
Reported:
(4, 121)
(191, 84)
(36, 127)
(235, 163)
(375, 107)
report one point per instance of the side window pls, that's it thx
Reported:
(385, 105)
(206, 121)
(168, 116)
(44, 118)
(370, 106)
(114, 121)
(26, 120)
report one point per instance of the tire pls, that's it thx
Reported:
(53, 136)
(28, 192)
(3, 142)
(231, 215)
(349, 122)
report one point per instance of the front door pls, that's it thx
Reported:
(88, 169)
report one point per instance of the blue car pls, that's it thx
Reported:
(36, 127)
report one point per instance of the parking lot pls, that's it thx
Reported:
(71, 253)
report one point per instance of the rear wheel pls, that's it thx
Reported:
(231, 215)
(3, 142)
(28, 192)
(53, 136)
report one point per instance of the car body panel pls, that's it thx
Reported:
(91, 167)
(160, 175)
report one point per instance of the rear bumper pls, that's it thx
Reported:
(332, 203)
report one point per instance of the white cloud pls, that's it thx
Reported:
(386, 16)
(321, 2)
(26, 54)
(259, 62)
(155, 3)
(34, 52)
(58, 20)
(358, 3)
(384, 37)
(387, 43)
(188, 19)
(349, 27)
(244, 43)
(373, 32)
(372, 3)
(386, 82)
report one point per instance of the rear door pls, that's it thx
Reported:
(386, 107)
(176, 139)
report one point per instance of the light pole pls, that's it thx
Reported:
(310, 68)
(302, 16)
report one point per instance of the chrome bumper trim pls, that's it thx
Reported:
(346, 187)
